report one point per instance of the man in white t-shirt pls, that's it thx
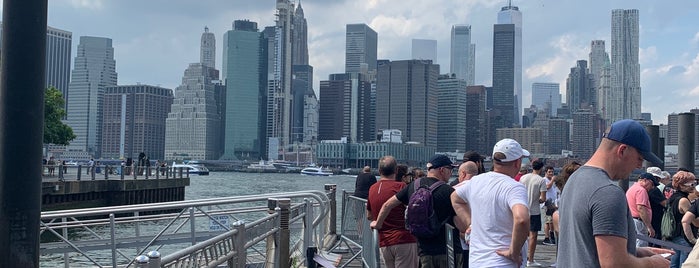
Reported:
(536, 195)
(495, 207)
(551, 205)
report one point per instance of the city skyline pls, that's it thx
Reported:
(153, 52)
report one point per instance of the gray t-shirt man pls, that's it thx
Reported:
(591, 204)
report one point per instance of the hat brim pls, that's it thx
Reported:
(651, 157)
(525, 152)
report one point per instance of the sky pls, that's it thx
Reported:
(155, 40)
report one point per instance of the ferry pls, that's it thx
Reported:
(194, 169)
(316, 171)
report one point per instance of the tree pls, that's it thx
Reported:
(55, 131)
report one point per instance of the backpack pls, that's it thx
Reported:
(420, 217)
(667, 224)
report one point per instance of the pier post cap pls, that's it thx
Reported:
(142, 259)
(332, 187)
(278, 202)
(154, 254)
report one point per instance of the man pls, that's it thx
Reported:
(596, 228)
(467, 170)
(363, 182)
(657, 200)
(536, 194)
(495, 208)
(397, 246)
(476, 158)
(432, 250)
(639, 205)
(550, 205)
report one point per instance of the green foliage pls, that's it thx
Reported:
(55, 131)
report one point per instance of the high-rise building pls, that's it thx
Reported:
(530, 138)
(672, 129)
(58, 48)
(511, 15)
(134, 121)
(476, 120)
(301, 87)
(207, 50)
(451, 114)
(558, 138)
(608, 101)
(406, 90)
(504, 76)
(424, 49)
(246, 84)
(345, 109)
(583, 141)
(463, 57)
(299, 38)
(360, 48)
(579, 88)
(626, 70)
(93, 71)
(547, 97)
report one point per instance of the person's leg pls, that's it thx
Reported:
(534, 228)
(426, 261)
(387, 256)
(406, 255)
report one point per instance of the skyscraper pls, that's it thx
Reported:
(406, 91)
(244, 62)
(626, 70)
(94, 70)
(584, 133)
(579, 90)
(194, 125)
(360, 48)
(345, 110)
(207, 50)
(451, 114)
(463, 58)
(476, 120)
(547, 97)
(58, 48)
(424, 49)
(299, 38)
(504, 76)
(134, 121)
(608, 101)
(511, 15)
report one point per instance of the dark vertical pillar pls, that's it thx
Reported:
(654, 133)
(22, 76)
(685, 145)
(661, 152)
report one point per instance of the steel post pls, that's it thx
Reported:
(685, 148)
(22, 86)
(284, 232)
(153, 259)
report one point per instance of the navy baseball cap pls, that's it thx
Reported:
(438, 161)
(650, 177)
(633, 134)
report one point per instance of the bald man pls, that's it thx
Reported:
(467, 170)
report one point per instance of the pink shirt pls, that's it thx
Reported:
(637, 195)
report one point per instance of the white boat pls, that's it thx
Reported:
(262, 165)
(194, 169)
(316, 171)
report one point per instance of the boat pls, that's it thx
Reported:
(316, 171)
(194, 168)
(262, 165)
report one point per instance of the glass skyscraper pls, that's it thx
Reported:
(511, 15)
(626, 70)
(463, 54)
(360, 48)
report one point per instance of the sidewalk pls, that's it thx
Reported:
(545, 255)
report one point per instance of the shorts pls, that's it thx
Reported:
(550, 207)
(549, 218)
(535, 223)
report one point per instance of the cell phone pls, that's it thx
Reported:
(666, 255)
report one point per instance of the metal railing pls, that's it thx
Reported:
(207, 231)
(79, 172)
(356, 236)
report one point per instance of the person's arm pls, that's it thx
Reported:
(542, 197)
(463, 212)
(612, 253)
(683, 206)
(687, 228)
(520, 231)
(645, 218)
(551, 181)
(383, 213)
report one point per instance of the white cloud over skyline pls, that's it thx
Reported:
(155, 40)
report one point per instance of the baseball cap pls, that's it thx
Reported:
(632, 133)
(656, 172)
(650, 177)
(438, 161)
(510, 148)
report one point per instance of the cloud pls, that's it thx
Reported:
(695, 40)
(88, 4)
(647, 55)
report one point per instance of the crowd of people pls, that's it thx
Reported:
(498, 214)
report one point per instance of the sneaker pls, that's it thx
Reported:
(533, 264)
(549, 242)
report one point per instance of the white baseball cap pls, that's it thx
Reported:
(510, 148)
(655, 171)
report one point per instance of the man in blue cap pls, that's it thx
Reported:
(596, 226)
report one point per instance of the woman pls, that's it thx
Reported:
(560, 182)
(402, 174)
(683, 182)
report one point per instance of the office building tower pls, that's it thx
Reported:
(511, 15)
(608, 101)
(579, 90)
(301, 87)
(311, 107)
(406, 91)
(451, 114)
(424, 49)
(626, 70)
(546, 97)
(463, 57)
(476, 120)
(246, 84)
(530, 138)
(299, 38)
(558, 138)
(598, 59)
(504, 76)
(672, 129)
(134, 121)
(583, 141)
(345, 110)
(207, 51)
(360, 49)
(93, 71)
